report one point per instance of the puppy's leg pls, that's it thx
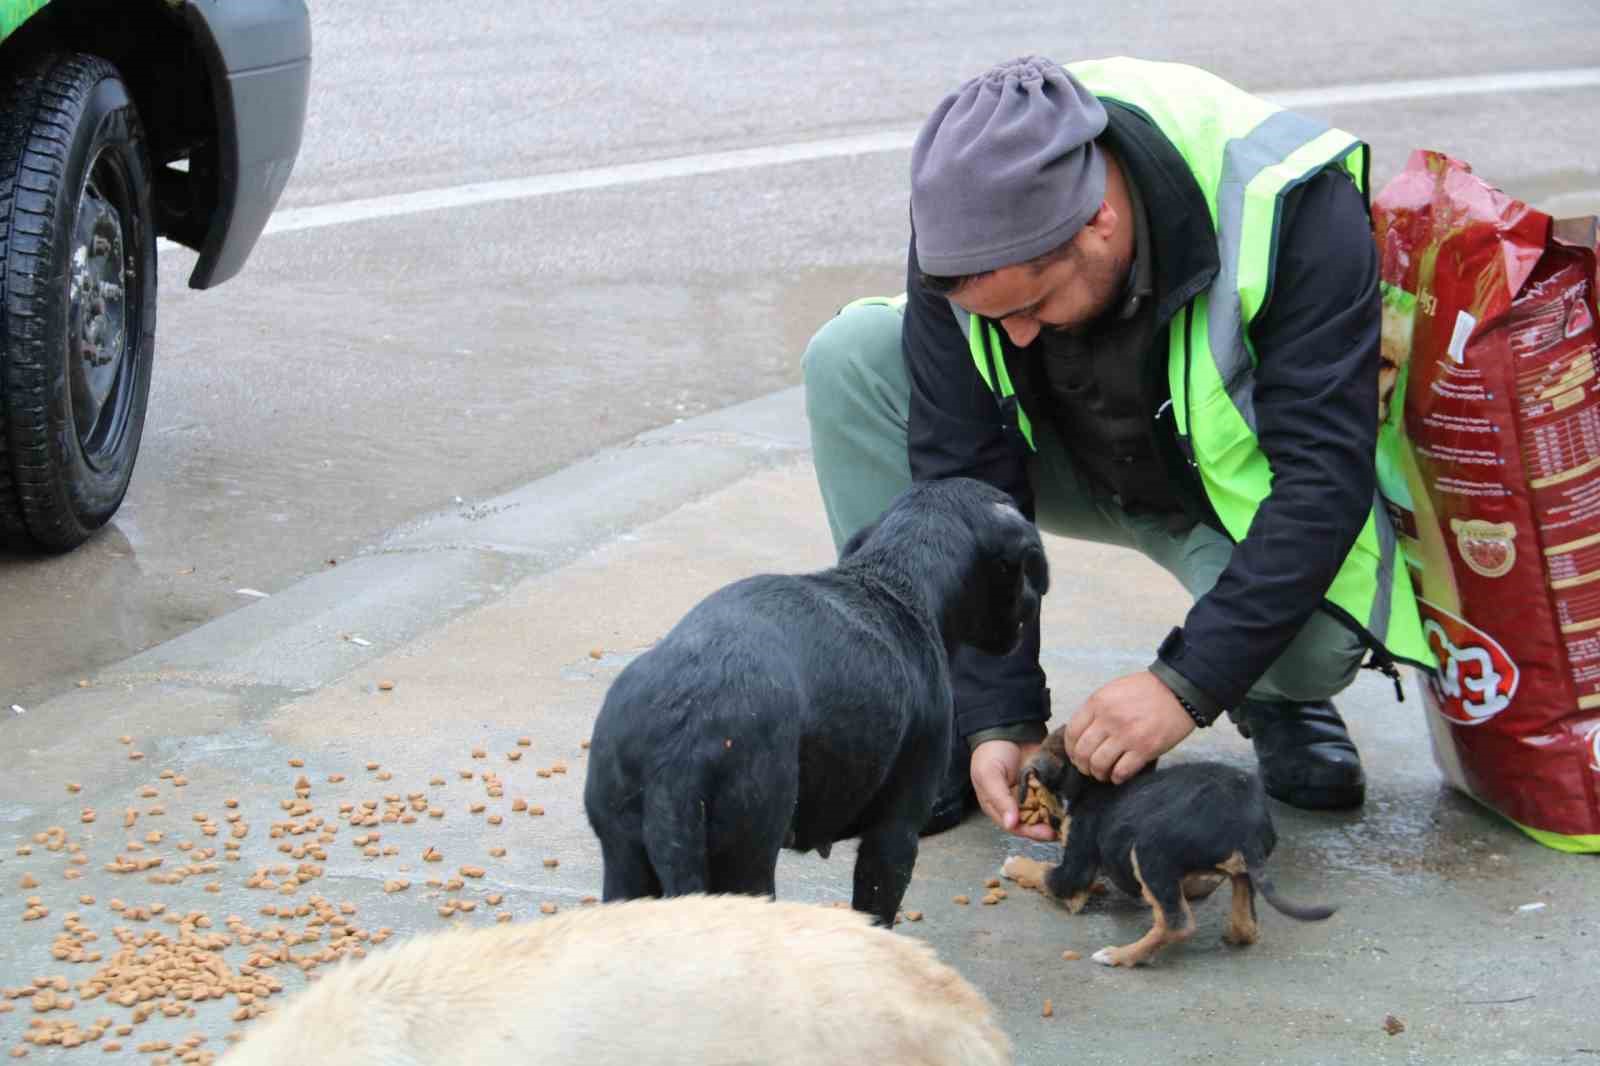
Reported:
(1029, 873)
(1242, 928)
(884, 862)
(1071, 882)
(1173, 920)
(628, 874)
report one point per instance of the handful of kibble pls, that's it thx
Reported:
(1039, 804)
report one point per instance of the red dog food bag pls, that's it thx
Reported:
(1492, 371)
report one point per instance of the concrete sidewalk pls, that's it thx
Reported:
(506, 620)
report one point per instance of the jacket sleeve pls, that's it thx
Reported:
(955, 430)
(1316, 408)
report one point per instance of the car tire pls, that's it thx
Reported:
(77, 297)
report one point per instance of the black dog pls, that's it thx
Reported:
(1168, 836)
(796, 711)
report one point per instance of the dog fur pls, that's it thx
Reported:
(799, 710)
(1166, 836)
(695, 981)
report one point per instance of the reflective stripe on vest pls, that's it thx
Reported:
(983, 341)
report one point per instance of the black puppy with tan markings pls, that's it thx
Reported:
(799, 710)
(1167, 836)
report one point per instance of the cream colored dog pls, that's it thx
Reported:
(702, 980)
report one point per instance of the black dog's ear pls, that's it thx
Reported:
(858, 538)
(1035, 568)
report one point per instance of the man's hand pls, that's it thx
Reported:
(995, 766)
(1123, 726)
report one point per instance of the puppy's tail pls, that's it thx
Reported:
(675, 837)
(1256, 866)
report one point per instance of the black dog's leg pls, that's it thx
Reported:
(750, 872)
(628, 874)
(884, 863)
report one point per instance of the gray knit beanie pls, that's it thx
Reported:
(1006, 168)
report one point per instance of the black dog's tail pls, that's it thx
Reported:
(675, 837)
(1256, 866)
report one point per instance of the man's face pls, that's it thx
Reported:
(1066, 294)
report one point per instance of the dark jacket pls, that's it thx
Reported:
(1316, 343)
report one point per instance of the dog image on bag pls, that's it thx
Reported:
(695, 981)
(800, 710)
(1166, 836)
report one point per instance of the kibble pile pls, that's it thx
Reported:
(160, 961)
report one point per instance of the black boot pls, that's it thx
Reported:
(956, 796)
(1307, 758)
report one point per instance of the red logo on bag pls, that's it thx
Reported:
(1476, 678)
(1594, 749)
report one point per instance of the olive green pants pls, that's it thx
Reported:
(857, 398)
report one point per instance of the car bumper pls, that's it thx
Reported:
(260, 57)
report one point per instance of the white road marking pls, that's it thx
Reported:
(293, 220)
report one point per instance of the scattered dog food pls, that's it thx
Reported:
(1392, 1025)
(386, 686)
(1070, 956)
(547, 908)
(962, 900)
(1049, 1010)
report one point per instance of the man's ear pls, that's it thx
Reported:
(1104, 221)
(858, 538)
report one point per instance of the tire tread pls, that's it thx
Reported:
(41, 105)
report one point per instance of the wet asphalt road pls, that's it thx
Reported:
(359, 376)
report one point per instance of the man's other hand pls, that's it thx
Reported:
(1122, 727)
(996, 765)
